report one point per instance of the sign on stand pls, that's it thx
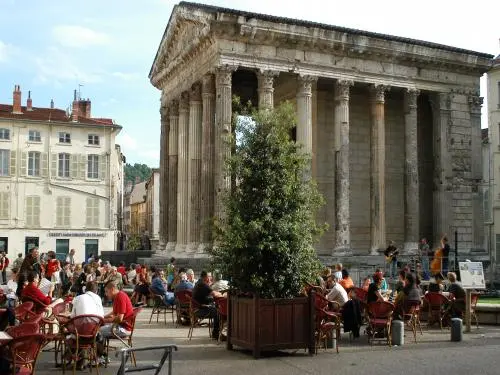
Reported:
(472, 277)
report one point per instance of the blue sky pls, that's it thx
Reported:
(108, 46)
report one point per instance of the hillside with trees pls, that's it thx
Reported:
(137, 170)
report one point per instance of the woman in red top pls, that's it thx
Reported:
(31, 292)
(53, 266)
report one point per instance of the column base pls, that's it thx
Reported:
(375, 250)
(170, 247)
(342, 251)
(411, 248)
(192, 247)
(202, 247)
(161, 246)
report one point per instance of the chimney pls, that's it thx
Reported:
(51, 103)
(84, 108)
(29, 103)
(16, 105)
(74, 113)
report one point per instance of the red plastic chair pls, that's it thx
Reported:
(379, 321)
(438, 305)
(84, 328)
(411, 316)
(50, 327)
(24, 310)
(160, 307)
(196, 317)
(38, 307)
(326, 323)
(23, 351)
(182, 304)
(221, 304)
(23, 329)
(126, 341)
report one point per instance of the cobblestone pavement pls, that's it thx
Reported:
(478, 353)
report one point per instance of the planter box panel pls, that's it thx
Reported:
(271, 324)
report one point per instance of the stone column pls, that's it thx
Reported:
(182, 192)
(173, 143)
(412, 204)
(164, 152)
(223, 118)
(304, 113)
(442, 189)
(265, 80)
(207, 150)
(343, 230)
(194, 185)
(377, 190)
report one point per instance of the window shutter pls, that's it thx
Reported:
(59, 211)
(88, 221)
(73, 171)
(12, 162)
(4, 205)
(102, 166)
(82, 167)
(53, 165)
(45, 164)
(96, 212)
(24, 164)
(36, 211)
(67, 211)
(29, 205)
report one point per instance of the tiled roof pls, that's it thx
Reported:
(138, 194)
(291, 21)
(49, 114)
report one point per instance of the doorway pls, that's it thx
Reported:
(91, 247)
(30, 243)
(62, 248)
(4, 244)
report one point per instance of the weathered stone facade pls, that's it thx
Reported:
(392, 125)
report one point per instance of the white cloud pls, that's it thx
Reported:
(57, 66)
(79, 37)
(150, 155)
(128, 143)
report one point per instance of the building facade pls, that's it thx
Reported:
(393, 126)
(61, 179)
(138, 223)
(153, 208)
(493, 84)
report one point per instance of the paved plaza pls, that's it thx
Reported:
(433, 354)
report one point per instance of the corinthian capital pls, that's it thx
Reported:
(174, 108)
(378, 92)
(164, 112)
(208, 85)
(266, 79)
(224, 75)
(475, 103)
(305, 84)
(184, 102)
(342, 89)
(195, 93)
(411, 96)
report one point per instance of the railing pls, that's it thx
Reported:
(127, 352)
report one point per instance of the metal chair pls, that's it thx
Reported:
(182, 304)
(160, 307)
(23, 351)
(379, 321)
(438, 305)
(197, 315)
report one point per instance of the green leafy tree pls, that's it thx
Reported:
(137, 170)
(134, 243)
(265, 244)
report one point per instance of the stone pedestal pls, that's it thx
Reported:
(343, 187)
(377, 198)
(173, 143)
(412, 203)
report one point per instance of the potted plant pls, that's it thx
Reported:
(264, 244)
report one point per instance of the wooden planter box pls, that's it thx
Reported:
(270, 324)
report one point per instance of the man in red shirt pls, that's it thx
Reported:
(121, 314)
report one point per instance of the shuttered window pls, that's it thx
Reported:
(4, 162)
(34, 136)
(33, 211)
(64, 162)
(4, 204)
(92, 212)
(63, 211)
(4, 133)
(34, 163)
(93, 166)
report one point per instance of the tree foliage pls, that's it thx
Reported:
(265, 243)
(137, 170)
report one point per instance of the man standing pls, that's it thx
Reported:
(70, 258)
(18, 262)
(391, 254)
(204, 295)
(4, 263)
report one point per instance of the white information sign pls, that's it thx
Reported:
(472, 275)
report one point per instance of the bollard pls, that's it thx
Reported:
(456, 329)
(398, 332)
